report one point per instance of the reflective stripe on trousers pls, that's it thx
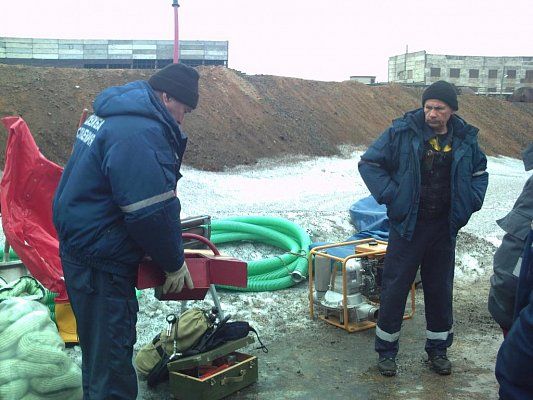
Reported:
(433, 250)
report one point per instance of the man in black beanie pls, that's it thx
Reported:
(115, 204)
(429, 171)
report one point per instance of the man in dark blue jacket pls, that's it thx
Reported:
(116, 202)
(514, 365)
(429, 171)
(508, 257)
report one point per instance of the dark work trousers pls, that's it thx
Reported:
(105, 307)
(433, 250)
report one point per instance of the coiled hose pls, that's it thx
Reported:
(274, 273)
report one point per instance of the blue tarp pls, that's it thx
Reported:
(369, 219)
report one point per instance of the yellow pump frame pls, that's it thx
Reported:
(361, 249)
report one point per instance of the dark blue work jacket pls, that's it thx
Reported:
(391, 170)
(116, 200)
(514, 364)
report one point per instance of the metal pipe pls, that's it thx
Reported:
(175, 5)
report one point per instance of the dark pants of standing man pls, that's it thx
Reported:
(434, 250)
(105, 308)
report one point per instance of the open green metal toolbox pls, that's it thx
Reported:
(214, 374)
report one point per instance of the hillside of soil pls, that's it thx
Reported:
(242, 118)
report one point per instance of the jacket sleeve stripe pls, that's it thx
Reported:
(478, 173)
(148, 202)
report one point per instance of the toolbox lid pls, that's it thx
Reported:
(209, 356)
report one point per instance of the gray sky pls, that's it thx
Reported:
(313, 39)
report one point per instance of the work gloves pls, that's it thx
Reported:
(175, 280)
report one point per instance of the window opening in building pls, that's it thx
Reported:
(163, 63)
(143, 64)
(529, 75)
(511, 74)
(434, 72)
(455, 72)
(509, 89)
(493, 73)
(119, 66)
(410, 74)
(473, 73)
(491, 90)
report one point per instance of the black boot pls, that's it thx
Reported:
(440, 364)
(387, 366)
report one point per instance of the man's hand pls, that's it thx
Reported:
(175, 280)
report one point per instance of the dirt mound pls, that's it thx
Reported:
(242, 118)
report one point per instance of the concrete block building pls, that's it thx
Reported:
(483, 75)
(124, 54)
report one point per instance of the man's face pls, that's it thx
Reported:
(437, 115)
(175, 108)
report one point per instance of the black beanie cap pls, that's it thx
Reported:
(443, 91)
(179, 81)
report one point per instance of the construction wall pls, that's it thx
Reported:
(109, 53)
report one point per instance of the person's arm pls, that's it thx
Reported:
(375, 168)
(480, 176)
(142, 175)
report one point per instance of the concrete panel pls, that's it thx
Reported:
(44, 41)
(18, 55)
(69, 56)
(147, 52)
(95, 42)
(45, 47)
(70, 42)
(95, 56)
(144, 57)
(189, 46)
(218, 54)
(120, 47)
(144, 47)
(120, 56)
(45, 56)
(197, 53)
(102, 47)
(18, 46)
(73, 52)
(71, 47)
(120, 42)
(120, 51)
(165, 54)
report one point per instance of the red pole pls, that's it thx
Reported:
(176, 32)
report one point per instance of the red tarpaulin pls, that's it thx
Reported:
(26, 192)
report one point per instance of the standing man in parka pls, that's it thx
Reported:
(116, 202)
(429, 171)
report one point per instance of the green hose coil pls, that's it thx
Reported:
(274, 273)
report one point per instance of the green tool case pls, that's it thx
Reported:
(214, 374)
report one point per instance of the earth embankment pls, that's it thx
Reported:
(242, 118)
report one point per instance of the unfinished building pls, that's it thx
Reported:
(483, 75)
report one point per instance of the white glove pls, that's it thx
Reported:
(175, 280)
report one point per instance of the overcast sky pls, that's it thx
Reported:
(309, 39)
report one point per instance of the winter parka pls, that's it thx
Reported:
(116, 200)
(514, 362)
(391, 170)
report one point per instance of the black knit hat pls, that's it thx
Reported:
(179, 81)
(443, 91)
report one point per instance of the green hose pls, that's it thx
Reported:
(274, 273)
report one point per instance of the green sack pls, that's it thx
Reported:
(191, 326)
